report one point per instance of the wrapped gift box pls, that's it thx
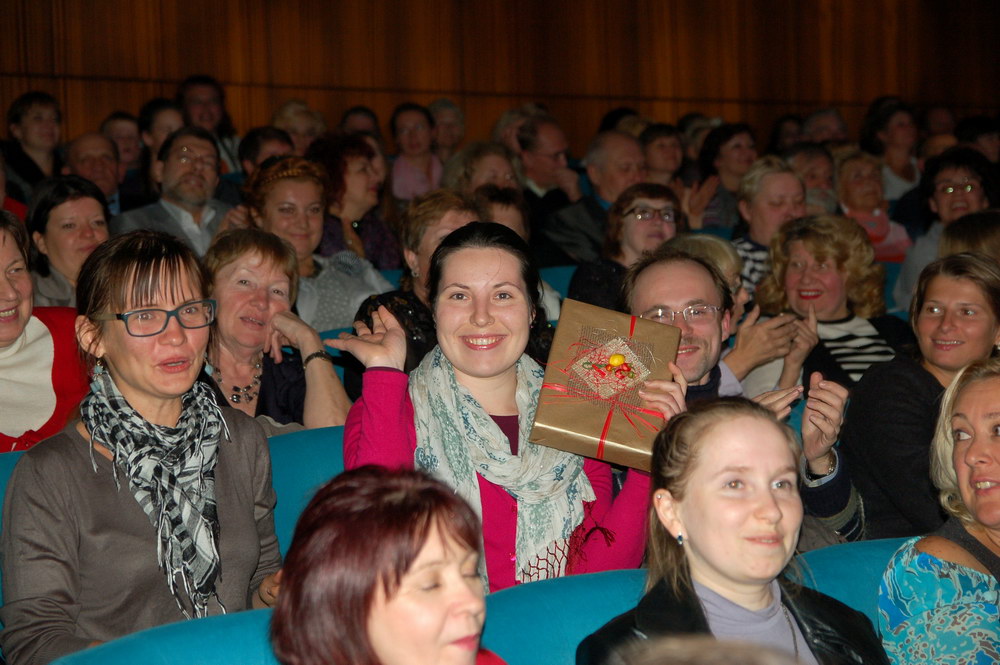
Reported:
(589, 403)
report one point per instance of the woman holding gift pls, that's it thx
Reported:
(467, 409)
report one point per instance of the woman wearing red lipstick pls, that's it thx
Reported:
(822, 272)
(724, 518)
(67, 221)
(465, 413)
(41, 378)
(254, 278)
(889, 424)
(382, 571)
(156, 505)
(939, 597)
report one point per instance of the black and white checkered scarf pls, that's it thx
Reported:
(171, 472)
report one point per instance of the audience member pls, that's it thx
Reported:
(911, 209)
(716, 556)
(664, 153)
(614, 163)
(770, 194)
(68, 220)
(976, 232)
(449, 128)
(940, 593)
(466, 411)
(259, 145)
(158, 119)
(123, 128)
(353, 220)
(813, 163)
(254, 276)
(203, 101)
(287, 198)
(479, 164)
(509, 124)
(550, 184)
(641, 219)
(955, 183)
(367, 550)
(156, 505)
(890, 421)
(726, 155)
(302, 124)
(891, 134)
(416, 170)
(95, 157)
(824, 274)
(859, 188)
(32, 152)
(937, 120)
(981, 133)
(825, 126)
(187, 169)
(41, 379)
(360, 119)
(785, 133)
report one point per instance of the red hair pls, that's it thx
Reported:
(363, 528)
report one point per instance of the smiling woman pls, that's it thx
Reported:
(724, 517)
(154, 476)
(465, 413)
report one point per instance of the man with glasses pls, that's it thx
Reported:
(187, 168)
(550, 183)
(675, 288)
(615, 162)
(955, 183)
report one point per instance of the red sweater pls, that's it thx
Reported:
(380, 430)
(69, 379)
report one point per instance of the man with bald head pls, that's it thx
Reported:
(615, 162)
(95, 157)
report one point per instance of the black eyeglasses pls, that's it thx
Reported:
(643, 214)
(149, 322)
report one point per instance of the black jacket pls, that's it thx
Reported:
(836, 634)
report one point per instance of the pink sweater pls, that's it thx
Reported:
(380, 430)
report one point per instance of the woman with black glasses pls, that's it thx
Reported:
(157, 504)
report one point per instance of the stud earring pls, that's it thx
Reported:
(680, 539)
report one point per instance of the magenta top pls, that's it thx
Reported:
(380, 430)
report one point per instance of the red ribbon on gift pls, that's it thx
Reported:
(629, 411)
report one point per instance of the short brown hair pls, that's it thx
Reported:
(363, 529)
(12, 226)
(230, 245)
(129, 271)
(616, 215)
(827, 237)
(263, 179)
(979, 269)
(426, 210)
(667, 254)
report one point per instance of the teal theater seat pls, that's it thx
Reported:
(300, 463)
(7, 463)
(558, 278)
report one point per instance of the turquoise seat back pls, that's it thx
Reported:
(558, 278)
(851, 572)
(543, 622)
(7, 463)
(393, 276)
(300, 463)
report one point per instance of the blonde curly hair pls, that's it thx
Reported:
(827, 237)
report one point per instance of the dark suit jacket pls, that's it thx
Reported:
(579, 230)
(154, 217)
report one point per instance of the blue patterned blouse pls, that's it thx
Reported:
(934, 611)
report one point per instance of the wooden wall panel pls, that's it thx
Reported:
(741, 59)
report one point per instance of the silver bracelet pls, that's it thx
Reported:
(318, 354)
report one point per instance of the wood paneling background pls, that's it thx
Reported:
(741, 59)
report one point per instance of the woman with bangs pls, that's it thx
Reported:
(155, 506)
(822, 272)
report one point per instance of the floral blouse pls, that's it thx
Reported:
(934, 611)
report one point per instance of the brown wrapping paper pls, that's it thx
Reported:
(589, 403)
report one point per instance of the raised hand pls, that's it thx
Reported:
(667, 397)
(806, 338)
(383, 345)
(289, 330)
(696, 200)
(759, 342)
(821, 421)
(779, 401)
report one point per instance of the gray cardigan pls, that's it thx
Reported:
(79, 556)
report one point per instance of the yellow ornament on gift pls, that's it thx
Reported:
(616, 359)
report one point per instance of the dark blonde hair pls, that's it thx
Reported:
(676, 451)
(753, 181)
(943, 445)
(625, 200)
(827, 237)
(425, 211)
(845, 159)
(975, 232)
(979, 269)
(263, 179)
(458, 171)
(231, 245)
(129, 272)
